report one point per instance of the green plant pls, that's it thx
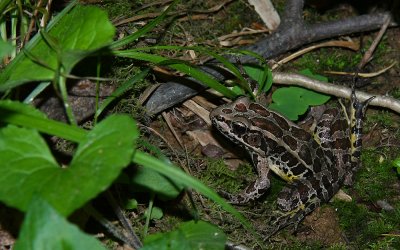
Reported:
(289, 101)
(29, 169)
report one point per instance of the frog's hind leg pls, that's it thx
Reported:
(294, 202)
(255, 189)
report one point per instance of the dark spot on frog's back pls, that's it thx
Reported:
(290, 160)
(281, 121)
(305, 154)
(291, 142)
(240, 107)
(259, 109)
(267, 126)
(298, 170)
(338, 125)
(342, 143)
(300, 133)
(317, 165)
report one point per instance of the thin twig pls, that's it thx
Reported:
(365, 75)
(107, 224)
(367, 56)
(346, 44)
(215, 8)
(32, 23)
(134, 240)
(171, 128)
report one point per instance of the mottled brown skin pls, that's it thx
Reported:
(315, 167)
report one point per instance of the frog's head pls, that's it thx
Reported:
(235, 121)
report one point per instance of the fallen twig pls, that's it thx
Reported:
(335, 90)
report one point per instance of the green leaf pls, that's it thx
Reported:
(178, 175)
(156, 213)
(76, 35)
(294, 101)
(5, 49)
(183, 67)
(189, 235)
(27, 165)
(396, 164)
(25, 115)
(149, 180)
(238, 90)
(44, 229)
(131, 204)
(3, 6)
(262, 75)
(141, 158)
(309, 73)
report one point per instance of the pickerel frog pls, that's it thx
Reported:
(314, 165)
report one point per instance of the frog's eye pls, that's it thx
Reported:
(239, 128)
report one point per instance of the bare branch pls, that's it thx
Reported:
(294, 36)
(293, 13)
(335, 90)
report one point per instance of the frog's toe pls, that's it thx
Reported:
(252, 192)
(282, 219)
(235, 198)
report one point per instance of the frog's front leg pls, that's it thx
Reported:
(255, 189)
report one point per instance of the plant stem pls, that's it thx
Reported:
(64, 95)
(148, 214)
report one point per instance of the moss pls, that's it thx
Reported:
(117, 10)
(363, 222)
(395, 93)
(219, 176)
(382, 118)
(376, 179)
(328, 59)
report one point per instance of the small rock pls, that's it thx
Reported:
(384, 205)
(212, 151)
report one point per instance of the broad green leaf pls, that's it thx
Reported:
(189, 235)
(294, 101)
(77, 34)
(27, 166)
(77, 135)
(25, 115)
(45, 229)
(147, 179)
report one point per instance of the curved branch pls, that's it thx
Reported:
(291, 37)
(335, 90)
